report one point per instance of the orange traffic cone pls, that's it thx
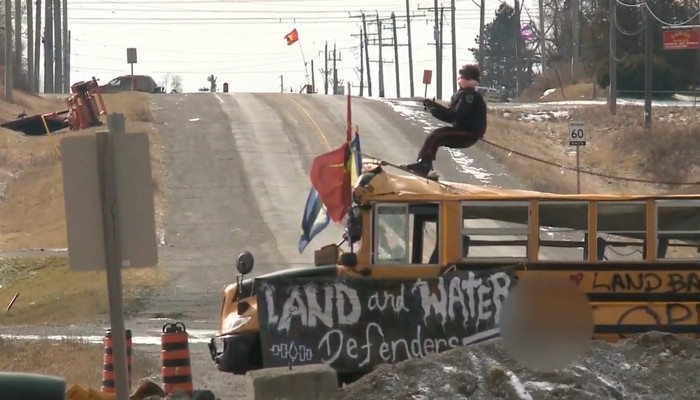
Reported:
(175, 357)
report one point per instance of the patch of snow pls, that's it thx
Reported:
(464, 162)
(548, 386)
(518, 386)
(548, 92)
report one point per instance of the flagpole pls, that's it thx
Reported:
(304, 60)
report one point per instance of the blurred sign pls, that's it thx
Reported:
(528, 32)
(427, 76)
(131, 55)
(680, 39)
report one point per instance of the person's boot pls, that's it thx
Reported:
(421, 167)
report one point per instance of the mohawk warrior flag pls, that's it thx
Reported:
(292, 37)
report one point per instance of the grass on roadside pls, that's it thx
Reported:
(78, 362)
(51, 293)
(617, 145)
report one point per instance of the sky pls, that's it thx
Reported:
(241, 42)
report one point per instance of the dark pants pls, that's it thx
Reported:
(446, 136)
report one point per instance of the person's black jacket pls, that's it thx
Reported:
(467, 111)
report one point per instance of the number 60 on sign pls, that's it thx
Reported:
(577, 133)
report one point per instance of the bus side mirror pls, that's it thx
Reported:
(348, 260)
(354, 225)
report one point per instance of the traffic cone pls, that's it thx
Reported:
(175, 357)
(108, 385)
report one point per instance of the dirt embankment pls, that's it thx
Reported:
(650, 366)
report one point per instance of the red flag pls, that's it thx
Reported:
(330, 175)
(292, 37)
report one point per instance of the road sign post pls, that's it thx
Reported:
(110, 216)
(577, 137)
(427, 77)
(131, 59)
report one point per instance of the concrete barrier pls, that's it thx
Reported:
(307, 382)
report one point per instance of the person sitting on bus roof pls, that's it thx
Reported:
(466, 113)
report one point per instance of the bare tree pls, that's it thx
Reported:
(212, 82)
(176, 83)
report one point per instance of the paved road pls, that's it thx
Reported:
(238, 180)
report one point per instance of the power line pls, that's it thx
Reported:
(251, 71)
(189, 52)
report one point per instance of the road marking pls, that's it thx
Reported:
(318, 128)
(219, 98)
(196, 336)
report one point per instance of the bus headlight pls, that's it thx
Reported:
(234, 322)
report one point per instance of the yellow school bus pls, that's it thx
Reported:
(406, 285)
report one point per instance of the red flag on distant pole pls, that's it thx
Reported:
(292, 37)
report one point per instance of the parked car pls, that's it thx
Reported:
(142, 83)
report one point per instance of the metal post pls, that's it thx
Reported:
(612, 96)
(108, 191)
(410, 46)
(8, 51)
(578, 169)
(649, 54)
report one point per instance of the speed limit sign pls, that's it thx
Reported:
(577, 133)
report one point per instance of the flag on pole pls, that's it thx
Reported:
(332, 176)
(314, 221)
(292, 37)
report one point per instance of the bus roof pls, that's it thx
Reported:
(375, 184)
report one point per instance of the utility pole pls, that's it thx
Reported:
(282, 83)
(438, 54)
(454, 47)
(410, 47)
(543, 40)
(381, 60)
(325, 72)
(482, 28)
(8, 52)
(335, 70)
(313, 77)
(66, 71)
(516, 25)
(18, 38)
(58, 48)
(439, 75)
(649, 54)
(37, 48)
(369, 76)
(439, 44)
(396, 55)
(362, 63)
(48, 47)
(66, 49)
(612, 95)
(575, 35)
(30, 47)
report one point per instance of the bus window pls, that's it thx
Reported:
(678, 229)
(406, 234)
(425, 243)
(563, 226)
(622, 229)
(495, 230)
(391, 233)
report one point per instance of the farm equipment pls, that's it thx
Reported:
(85, 106)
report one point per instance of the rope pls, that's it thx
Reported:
(589, 172)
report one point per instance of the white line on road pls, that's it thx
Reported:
(196, 336)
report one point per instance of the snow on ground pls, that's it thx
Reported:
(412, 111)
